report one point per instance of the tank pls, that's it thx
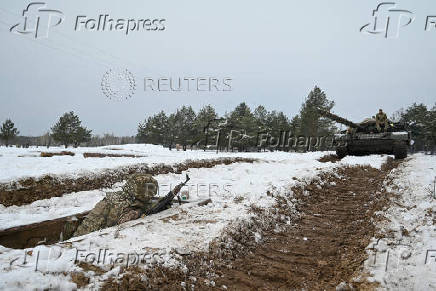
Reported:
(364, 139)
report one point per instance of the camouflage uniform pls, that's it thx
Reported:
(381, 119)
(122, 206)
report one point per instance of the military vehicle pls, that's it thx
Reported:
(364, 139)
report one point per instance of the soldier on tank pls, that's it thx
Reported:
(381, 121)
(121, 206)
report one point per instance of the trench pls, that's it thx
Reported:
(324, 247)
(45, 232)
(55, 230)
(26, 191)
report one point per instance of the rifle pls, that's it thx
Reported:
(164, 202)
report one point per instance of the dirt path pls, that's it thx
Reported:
(332, 222)
(325, 246)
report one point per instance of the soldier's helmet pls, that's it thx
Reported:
(141, 186)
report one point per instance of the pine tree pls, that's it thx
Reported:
(184, 126)
(205, 124)
(242, 120)
(261, 116)
(153, 129)
(294, 126)
(311, 123)
(69, 131)
(431, 129)
(8, 131)
(416, 117)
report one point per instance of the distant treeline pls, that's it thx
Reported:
(95, 141)
(240, 129)
(243, 126)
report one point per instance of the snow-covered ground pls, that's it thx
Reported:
(221, 182)
(405, 259)
(16, 163)
(232, 188)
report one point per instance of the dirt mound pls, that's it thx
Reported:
(315, 243)
(100, 155)
(329, 158)
(63, 153)
(28, 190)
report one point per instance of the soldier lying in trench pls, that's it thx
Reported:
(119, 207)
(134, 201)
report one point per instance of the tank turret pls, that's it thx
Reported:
(339, 119)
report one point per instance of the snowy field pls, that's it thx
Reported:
(16, 163)
(405, 259)
(158, 238)
(219, 182)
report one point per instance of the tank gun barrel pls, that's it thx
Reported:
(338, 118)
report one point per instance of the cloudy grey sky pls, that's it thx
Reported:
(275, 52)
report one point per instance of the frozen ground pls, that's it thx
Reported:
(405, 259)
(238, 179)
(16, 163)
(232, 188)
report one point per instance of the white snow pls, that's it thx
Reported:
(48, 209)
(17, 163)
(189, 227)
(221, 181)
(406, 258)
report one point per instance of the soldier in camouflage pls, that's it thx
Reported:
(122, 206)
(381, 121)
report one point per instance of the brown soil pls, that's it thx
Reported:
(51, 231)
(45, 232)
(332, 222)
(325, 246)
(329, 158)
(26, 191)
(80, 279)
(100, 155)
(63, 153)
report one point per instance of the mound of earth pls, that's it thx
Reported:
(28, 190)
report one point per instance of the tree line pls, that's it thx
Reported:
(206, 129)
(421, 122)
(68, 131)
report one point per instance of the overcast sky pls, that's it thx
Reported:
(274, 51)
